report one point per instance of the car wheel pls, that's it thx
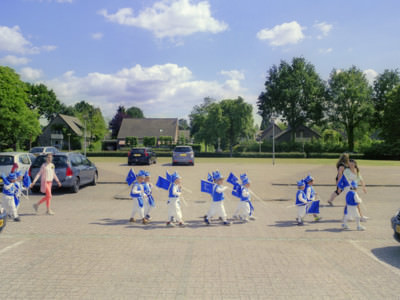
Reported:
(75, 187)
(95, 177)
(129, 163)
(155, 161)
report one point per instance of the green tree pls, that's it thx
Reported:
(391, 120)
(295, 92)
(350, 101)
(93, 118)
(183, 124)
(383, 85)
(238, 120)
(43, 100)
(197, 119)
(18, 123)
(135, 112)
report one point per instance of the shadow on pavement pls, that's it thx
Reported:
(389, 255)
(334, 230)
(111, 222)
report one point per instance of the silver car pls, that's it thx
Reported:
(13, 161)
(183, 155)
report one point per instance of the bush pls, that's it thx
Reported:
(131, 141)
(196, 148)
(149, 141)
(382, 150)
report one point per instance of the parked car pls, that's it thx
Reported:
(396, 225)
(43, 150)
(72, 169)
(13, 161)
(183, 155)
(141, 156)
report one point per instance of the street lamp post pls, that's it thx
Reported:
(84, 140)
(273, 139)
(69, 142)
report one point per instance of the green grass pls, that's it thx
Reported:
(308, 161)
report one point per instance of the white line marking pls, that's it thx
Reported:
(365, 251)
(11, 246)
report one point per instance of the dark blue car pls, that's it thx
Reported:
(396, 225)
(72, 169)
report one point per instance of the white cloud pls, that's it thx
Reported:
(371, 75)
(12, 40)
(234, 74)
(170, 18)
(97, 36)
(30, 74)
(12, 60)
(324, 29)
(325, 50)
(165, 90)
(280, 35)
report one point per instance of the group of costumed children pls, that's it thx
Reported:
(307, 203)
(13, 186)
(143, 201)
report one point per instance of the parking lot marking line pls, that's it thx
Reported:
(12, 246)
(366, 252)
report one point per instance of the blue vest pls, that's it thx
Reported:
(171, 188)
(298, 202)
(312, 193)
(217, 196)
(9, 189)
(350, 198)
(147, 191)
(138, 195)
(241, 195)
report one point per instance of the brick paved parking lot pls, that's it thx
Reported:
(89, 250)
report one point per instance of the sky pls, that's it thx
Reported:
(166, 56)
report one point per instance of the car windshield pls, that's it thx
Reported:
(37, 150)
(141, 151)
(183, 149)
(6, 160)
(59, 161)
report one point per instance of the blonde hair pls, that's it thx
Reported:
(343, 159)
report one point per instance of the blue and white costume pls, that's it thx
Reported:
(245, 208)
(351, 211)
(148, 197)
(313, 203)
(18, 191)
(174, 206)
(137, 194)
(301, 202)
(217, 208)
(9, 191)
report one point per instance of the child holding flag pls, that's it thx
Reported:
(301, 202)
(9, 191)
(351, 210)
(174, 206)
(245, 208)
(217, 206)
(313, 204)
(148, 197)
(137, 193)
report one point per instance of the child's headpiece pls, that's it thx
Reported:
(245, 179)
(217, 175)
(308, 179)
(300, 183)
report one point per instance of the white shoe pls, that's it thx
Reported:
(364, 219)
(235, 217)
(360, 228)
(253, 218)
(345, 227)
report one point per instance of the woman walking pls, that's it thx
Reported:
(47, 175)
(341, 165)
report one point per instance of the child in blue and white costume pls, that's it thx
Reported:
(217, 208)
(9, 191)
(148, 197)
(310, 194)
(137, 194)
(351, 210)
(245, 208)
(18, 187)
(174, 205)
(301, 202)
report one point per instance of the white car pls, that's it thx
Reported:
(13, 161)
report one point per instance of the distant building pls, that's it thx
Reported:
(54, 134)
(266, 134)
(148, 127)
(303, 134)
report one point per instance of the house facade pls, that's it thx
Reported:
(268, 133)
(148, 127)
(303, 134)
(61, 131)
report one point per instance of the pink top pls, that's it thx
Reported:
(46, 173)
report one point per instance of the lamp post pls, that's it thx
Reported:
(273, 118)
(69, 142)
(84, 140)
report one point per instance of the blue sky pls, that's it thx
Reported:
(165, 56)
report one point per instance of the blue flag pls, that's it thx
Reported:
(26, 180)
(163, 183)
(207, 187)
(131, 177)
(168, 176)
(232, 179)
(313, 208)
(343, 183)
(210, 178)
(237, 190)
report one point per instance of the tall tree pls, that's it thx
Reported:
(383, 85)
(116, 121)
(18, 123)
(197, 118)
(183, 124)
(295, 92)
(135, 112)
(350, 100)
(239, 121)
(44, 100)
(391, 120)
